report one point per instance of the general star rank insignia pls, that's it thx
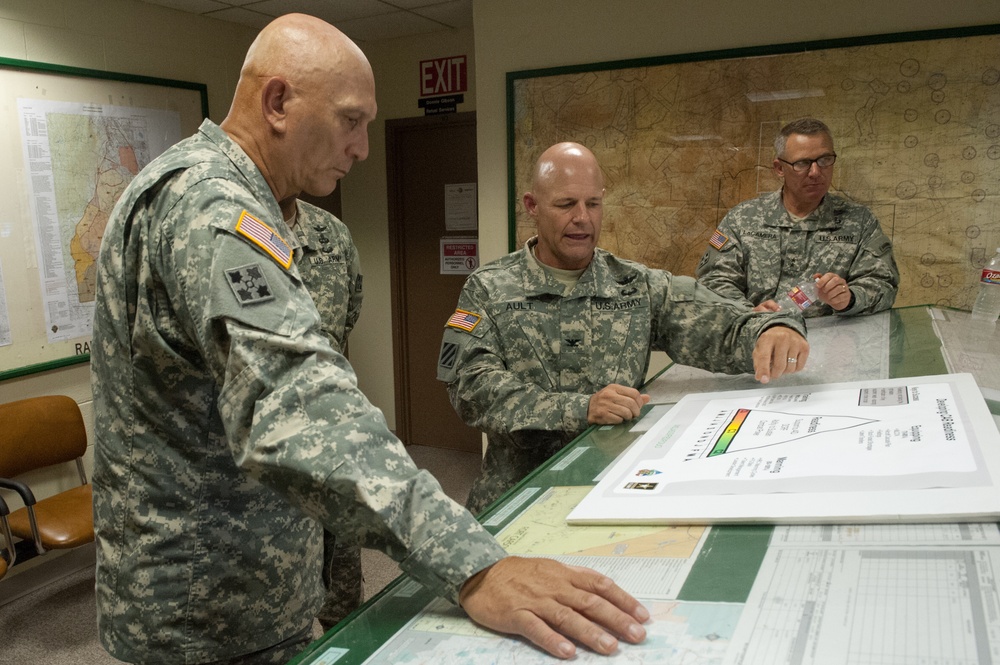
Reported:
(249, 284)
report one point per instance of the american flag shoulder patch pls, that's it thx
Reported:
(265, 237)
(718, 239)
(464, 320)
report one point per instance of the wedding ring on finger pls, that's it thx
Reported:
(793, 360)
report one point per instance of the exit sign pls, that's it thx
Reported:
(443, 76)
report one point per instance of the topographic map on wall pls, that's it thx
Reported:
(916, 126)
(80, 158)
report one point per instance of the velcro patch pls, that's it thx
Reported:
(449, 352)
(265, 237)
(718, 239)
(464, 320)
(249, 284)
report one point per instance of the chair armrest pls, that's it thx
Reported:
(23, 490)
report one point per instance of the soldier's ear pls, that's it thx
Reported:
(273, 97)
(530, 204)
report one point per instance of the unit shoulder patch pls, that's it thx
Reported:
(249, 284)
(266, 238)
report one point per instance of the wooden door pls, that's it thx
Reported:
(423, 155)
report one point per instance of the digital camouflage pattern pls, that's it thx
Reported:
(526, 370)
(766, 252)
(330, 268)
(227, 428)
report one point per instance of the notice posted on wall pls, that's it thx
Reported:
(459, 256)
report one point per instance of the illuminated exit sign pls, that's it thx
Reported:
(443, 76)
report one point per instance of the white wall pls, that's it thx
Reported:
(364, 198)
(124, 36)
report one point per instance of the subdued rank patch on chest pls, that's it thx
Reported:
(449, 352)
(249, 284)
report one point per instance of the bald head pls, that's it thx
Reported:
(567, 160)
(300, 48)
(566, 201)
(304, 87)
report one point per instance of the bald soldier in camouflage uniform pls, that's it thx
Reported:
(766, 246)
(557, 336)
(228, 429)
(330, 268)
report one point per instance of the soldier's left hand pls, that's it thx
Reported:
(779, 350)
(553, 605)
(833, 290)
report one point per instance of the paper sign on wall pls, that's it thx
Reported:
(461, 211)
(459, 256)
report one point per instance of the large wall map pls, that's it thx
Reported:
(74, 139)
(916, 126)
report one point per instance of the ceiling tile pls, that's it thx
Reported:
(362, 20)
(332, 11)
(414, 4)
(457, 14)
(190, 6)
(243, 16)
(388, 26)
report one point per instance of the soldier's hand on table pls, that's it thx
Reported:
(615, 404)
(552, 605)
(768, 306)
(833, 290)
(779, 350)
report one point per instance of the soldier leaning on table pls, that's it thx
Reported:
(557, 336)
(228, 431)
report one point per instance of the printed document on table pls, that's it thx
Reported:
(970, 346)
(840, 349)
(651, 561)
(889, 450)
(875, 604)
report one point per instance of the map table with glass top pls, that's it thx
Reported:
(741, 594)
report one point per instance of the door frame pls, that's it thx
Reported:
(394, 128)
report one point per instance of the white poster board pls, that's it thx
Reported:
(916, 449)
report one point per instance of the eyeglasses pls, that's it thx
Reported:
(803, 165)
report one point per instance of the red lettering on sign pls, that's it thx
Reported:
(444, 76)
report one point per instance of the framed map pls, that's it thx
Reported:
(681, 139)
(75, 139)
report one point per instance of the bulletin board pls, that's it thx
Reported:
(74, 139)
(681, 139)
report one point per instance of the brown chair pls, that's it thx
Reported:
(36, 433)
(7, 553)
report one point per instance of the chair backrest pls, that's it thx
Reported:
(39, 432)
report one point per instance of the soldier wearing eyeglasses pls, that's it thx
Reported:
(767, 245)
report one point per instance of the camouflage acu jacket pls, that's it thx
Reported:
(522, 359)
(763, 252)
(227, 428)
(330, 268)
